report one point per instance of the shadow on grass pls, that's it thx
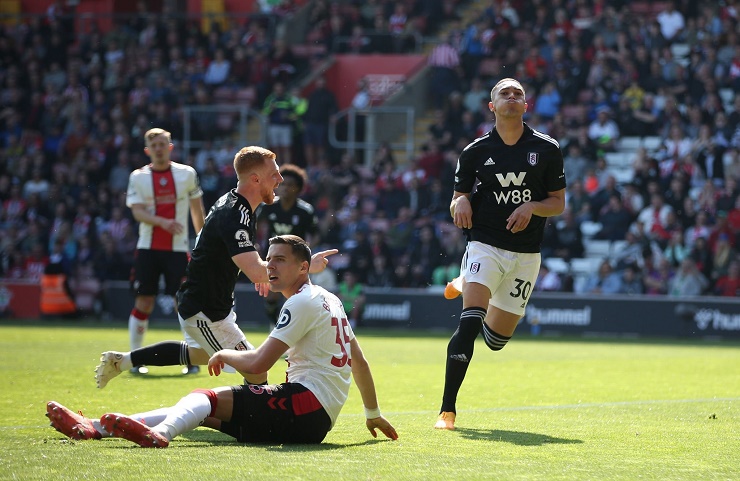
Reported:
(514, 437)
(211, 437)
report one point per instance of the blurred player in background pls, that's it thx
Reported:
(289, 214)
(160, 196)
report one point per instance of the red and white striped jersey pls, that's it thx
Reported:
(165, 193)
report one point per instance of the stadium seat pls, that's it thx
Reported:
(728, 96)
(652, 143)
(680, 51)
(590, 228)
(584, 265)
(618, 246)
(623, 175)
(556, 264)
(629, 144)
(619, 160)
(597, 248)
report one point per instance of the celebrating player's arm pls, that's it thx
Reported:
(255, 268)
(364, 381)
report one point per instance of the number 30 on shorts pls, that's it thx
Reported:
(522, 289)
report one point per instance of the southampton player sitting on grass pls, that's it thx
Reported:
(223, 248)
(322, 353)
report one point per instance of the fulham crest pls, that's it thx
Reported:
(533, 158)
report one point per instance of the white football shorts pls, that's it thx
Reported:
(211, 336)
(510, 276)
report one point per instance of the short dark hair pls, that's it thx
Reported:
(298, 246)
(296, 173)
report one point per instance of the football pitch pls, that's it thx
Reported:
(541, 409)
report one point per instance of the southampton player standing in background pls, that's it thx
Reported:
(160, 195)
(519, 180)
(289, 214)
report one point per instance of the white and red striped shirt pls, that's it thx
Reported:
(444, 55)
(165, 193)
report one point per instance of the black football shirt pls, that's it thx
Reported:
(299, 220)
(504, 177)
(211, 276)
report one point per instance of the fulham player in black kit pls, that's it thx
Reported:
(507, 183)
(223, 248)
(289, 214)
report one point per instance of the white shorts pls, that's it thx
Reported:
(510, 276)
(211, 336)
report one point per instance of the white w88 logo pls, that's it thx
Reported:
(515, 196)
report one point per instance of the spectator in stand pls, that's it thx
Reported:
(280, 111)
(728, 285)
(381, 274)
(630, 281)
(569, 238)
(575, 162)
(676, 250)
(702, 256)
(603, 281)
(548, 102)
(615, 220)
(654, 217)
(727, 197)
(446, 71)
(733, 217)
(603, 130)
(425, 254)
(722, 256)
(322, 106)
(442, 132)
(477, 93)
(671, 22)
(688, 281)
(548, 280)
(217, 71)
(352, 294)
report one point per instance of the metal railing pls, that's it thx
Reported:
(239, 131)
(394, 120)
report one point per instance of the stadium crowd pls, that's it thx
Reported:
(74, 107)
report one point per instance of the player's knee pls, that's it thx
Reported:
(494, 340)
(145, 304)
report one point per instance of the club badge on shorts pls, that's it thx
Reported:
(533, 158)
(474, 267)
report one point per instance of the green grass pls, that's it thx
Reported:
(544, 409)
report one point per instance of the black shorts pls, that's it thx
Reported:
(149, 265)
(285, 413)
